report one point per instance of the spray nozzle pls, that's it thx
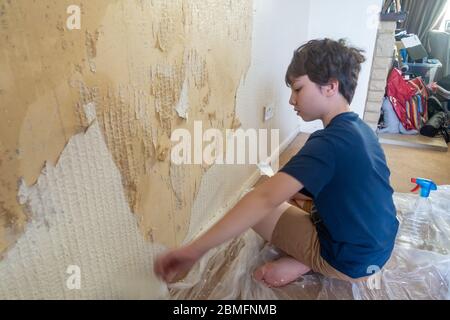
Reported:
(425, 186)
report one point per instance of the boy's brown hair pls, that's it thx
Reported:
(326, 59)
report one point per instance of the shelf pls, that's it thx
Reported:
(393, 16)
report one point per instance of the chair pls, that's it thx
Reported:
(439, 48)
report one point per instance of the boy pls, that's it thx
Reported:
(352, 226)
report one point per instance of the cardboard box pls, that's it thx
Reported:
(414, 47)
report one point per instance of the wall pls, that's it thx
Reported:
(278, 29)
(85, 173)
(355, 20)
(382, 61)
(86, 179)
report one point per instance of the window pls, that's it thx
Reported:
(446, 17)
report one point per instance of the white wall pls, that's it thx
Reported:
(279, 27)
(277, 31)
(353, 20)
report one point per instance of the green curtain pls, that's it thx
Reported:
(422, 16)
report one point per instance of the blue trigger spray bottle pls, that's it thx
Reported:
(417, 225)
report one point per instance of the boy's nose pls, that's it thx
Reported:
(292, 102)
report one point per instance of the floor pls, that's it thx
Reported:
(404, 162)
(416, 141)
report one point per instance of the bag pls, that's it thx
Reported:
(409, 99)
(391, 122)
(438, 123)
(417, 109)
(434, 106)
(399, 93)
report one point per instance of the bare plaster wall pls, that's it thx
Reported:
(85, 174)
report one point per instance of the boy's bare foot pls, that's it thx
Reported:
(280, 272)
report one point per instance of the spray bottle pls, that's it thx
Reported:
(417, 225)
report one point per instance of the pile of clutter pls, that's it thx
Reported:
(412, 107)
(414, 103)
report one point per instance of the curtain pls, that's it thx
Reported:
(422, 16)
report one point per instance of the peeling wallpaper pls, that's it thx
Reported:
(149, 67)
(80, 217)
(85, 176)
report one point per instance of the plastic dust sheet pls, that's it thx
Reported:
(411, 273)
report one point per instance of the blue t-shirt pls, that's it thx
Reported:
(344, 168)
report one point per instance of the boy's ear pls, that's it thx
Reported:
(331, 88)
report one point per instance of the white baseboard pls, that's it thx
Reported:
(247, 185)
(250, 182)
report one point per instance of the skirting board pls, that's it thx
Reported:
(249, 183)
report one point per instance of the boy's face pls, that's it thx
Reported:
(307, 98)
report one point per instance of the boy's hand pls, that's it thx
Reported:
(175, 264)
(254, 206)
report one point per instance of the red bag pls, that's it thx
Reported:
(402, 95)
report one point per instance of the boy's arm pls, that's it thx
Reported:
(175, 264)
(253, 207)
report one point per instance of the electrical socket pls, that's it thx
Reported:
(269, 112)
